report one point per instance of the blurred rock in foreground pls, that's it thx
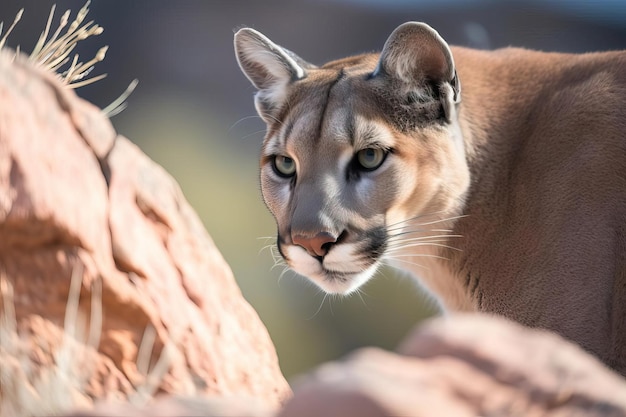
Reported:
(465, 365)
(82, 207)
(457, 366)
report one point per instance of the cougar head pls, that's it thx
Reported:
(355, 150)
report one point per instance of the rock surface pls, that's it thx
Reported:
(460, 366)
(466, 365)
(82, 207)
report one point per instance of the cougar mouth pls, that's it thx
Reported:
(344, 268)
(340, 282)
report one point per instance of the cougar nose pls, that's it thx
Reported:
(317, 245)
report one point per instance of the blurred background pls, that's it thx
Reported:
(193, 113)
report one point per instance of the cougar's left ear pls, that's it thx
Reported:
(269, 67)
(418, 56)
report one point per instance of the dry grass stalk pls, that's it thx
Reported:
(27, 387)
(53, 52)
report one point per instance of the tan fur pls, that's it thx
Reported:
(512, 201)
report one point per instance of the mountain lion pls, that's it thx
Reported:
(498, 178)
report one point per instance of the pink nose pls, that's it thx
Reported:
(316, 245)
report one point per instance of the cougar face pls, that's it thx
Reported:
(357, 152)
(368, 159)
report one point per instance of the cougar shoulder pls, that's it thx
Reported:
(497, 178)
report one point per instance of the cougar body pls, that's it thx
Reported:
(497, 178)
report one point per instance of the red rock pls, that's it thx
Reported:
(76, 198)
(460, 366)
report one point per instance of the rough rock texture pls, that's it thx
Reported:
(76, 199)
(458, 366)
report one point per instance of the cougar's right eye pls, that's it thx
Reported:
(284, 166)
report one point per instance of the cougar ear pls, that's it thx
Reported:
(269, 67)
(418, 56)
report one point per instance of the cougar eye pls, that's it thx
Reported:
(284, 166)
(370, 159)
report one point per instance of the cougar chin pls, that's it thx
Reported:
(330, 275)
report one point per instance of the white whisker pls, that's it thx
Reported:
(393, 258)
(392, 238)
(274, 118)
(404, 230)
(439, 245)
(412, 222)
(359, 292)
(419, 216)
(256, 132)
(280, 277)
(274, 253)
(400, 242)
(270, 247)
(443, 220)
(417, 255)
(254, 116)
(320, 307)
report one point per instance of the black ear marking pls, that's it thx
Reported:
(456, 88)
